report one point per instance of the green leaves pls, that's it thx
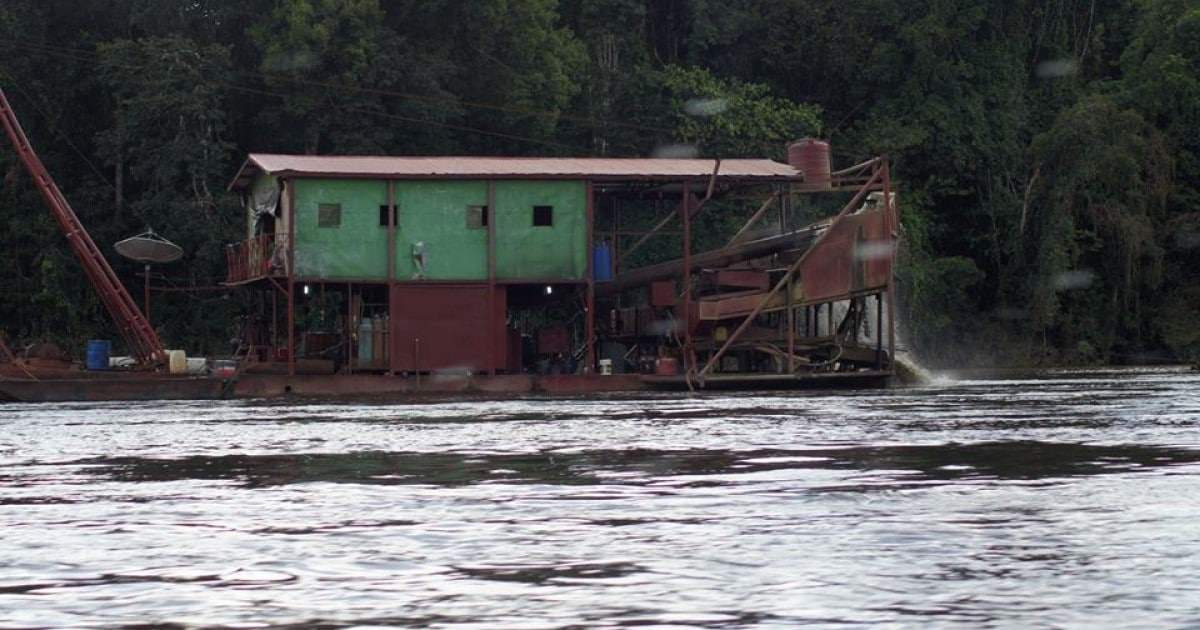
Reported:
(730, 119)
(1030, 139)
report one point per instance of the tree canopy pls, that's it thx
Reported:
(1046, 153)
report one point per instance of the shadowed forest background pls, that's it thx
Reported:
(1046, 153)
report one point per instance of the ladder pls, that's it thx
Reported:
(132, 324)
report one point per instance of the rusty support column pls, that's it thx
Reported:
(589, 318)
(786, 207)
(791, 326)
(616, 236)
(490, 213)
(290, 187)
(393, 215)
(891, 221)
(686, 309)
(785, 204)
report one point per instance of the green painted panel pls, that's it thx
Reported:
(434, 218)
(357, 246)
(555, 251)
(434, 214)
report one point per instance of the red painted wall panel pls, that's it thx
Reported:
(854, 256)
(448, 327)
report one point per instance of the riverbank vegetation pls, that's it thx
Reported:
(1046, 152)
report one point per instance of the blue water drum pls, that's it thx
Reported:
(97, 354)
(602, 262)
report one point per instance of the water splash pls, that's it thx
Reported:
(910, 372)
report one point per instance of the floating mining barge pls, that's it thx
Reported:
(378, 277)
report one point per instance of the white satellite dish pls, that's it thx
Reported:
(149, 247)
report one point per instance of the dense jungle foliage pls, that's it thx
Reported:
(1046, 152)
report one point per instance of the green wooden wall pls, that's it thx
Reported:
(433, 216)
(435, 213)
(523, 251)
(357, 248)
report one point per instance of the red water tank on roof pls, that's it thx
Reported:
(811, 157)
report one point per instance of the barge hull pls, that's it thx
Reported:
(407, 388)
(273, 386)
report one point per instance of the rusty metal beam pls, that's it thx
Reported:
(683, 203)
(787, 277)
(133, 325)
(590, 303)
(754, 218)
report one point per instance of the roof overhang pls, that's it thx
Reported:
(527, 168)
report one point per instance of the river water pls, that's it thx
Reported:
(1065, 499)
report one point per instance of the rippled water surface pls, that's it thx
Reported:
(1063, 500)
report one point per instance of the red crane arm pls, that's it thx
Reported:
(133, 325)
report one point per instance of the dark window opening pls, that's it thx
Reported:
(477, 217)
(543, 216)
(329, 215)
(383, 216)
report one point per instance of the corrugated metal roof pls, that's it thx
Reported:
(386, 167)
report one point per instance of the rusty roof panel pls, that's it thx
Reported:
(509, 167)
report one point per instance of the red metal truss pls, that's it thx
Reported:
(133, 325)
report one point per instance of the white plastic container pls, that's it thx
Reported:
(177, 362)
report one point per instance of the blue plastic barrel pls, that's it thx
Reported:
(602, 263)
(97, 354)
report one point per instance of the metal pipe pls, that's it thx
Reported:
(799, 239)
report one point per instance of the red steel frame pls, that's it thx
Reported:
(871, 175)
(879, 178)
(134, 327)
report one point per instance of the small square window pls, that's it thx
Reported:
(383, 216)
(477, 217)
(329, 215)
(543, 216)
